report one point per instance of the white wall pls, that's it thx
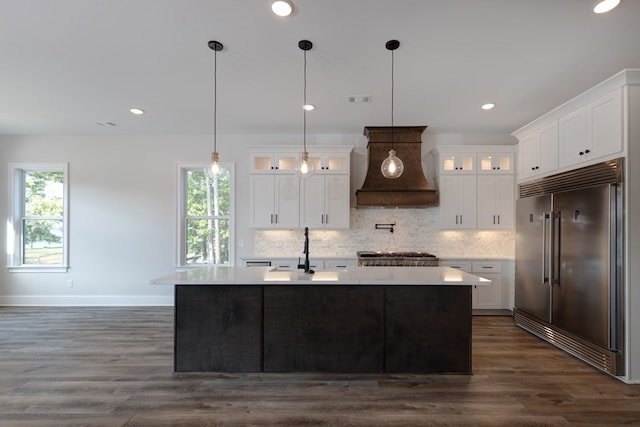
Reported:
(122, 211)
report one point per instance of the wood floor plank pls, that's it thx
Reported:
(113, 366)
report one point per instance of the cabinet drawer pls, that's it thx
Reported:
(486, 267)
(460, 265)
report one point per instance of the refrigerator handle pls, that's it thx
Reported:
(555, 248)
(545, 250)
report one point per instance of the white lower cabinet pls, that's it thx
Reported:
(485, 296)
(489, 296)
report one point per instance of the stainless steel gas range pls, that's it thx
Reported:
(396, 259)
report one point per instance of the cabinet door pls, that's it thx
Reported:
(468, 208)
(547, 148)
(261, 202)
(573, 137)
(488, 296)
(287, 201)
(496, 199)
(528, 150)
(457, 163)
(495, 163)
(312, 202)
(336, 196)
(458, 199)
(325, 202)
(449, 201)
(604, 124)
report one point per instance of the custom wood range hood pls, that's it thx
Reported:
(411, 189)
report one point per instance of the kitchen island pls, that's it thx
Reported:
(361, 319)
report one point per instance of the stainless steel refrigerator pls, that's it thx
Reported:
(569, 262)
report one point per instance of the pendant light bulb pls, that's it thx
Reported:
(305, 167)
(215, 164)
(392, 166)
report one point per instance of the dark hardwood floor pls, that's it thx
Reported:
(99, 366)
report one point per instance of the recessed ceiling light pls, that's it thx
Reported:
(604, 6)
(488, 106)
(309, 107)
(136, 111)
(282, 7)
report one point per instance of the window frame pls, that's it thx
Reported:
(181, 225)
(15, 217)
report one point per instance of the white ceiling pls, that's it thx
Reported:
(67, 64)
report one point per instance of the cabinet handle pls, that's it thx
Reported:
(587, 151)
(460, 219)
(581, 153)
(498, 219)
(487, 267)
(322, 218)
(271, 218)
(326, 218)
(456, 219)
(276, 218)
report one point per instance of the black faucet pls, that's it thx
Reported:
(307, 270)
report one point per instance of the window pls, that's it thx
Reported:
(38, 230)
(206, 216)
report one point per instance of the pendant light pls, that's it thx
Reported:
(214, 169)
(305, 167)
(392, 166)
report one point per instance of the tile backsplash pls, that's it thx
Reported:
(414, 230)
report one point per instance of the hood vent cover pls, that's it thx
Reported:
(411, 189)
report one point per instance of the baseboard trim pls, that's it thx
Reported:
(86, 300)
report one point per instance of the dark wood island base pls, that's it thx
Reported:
(323, 328)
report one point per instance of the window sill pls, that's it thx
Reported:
(38, 268)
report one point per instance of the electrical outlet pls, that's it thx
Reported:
(69, 283)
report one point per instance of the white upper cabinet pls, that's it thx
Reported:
(458, 198)
(331, 163)
(496, 202)
(325, 201)
(538, 151)
(279, 198)
(589, 128)
(275, 201)
(593, 131)
(457, 162)
(495, 163)
(476, 186)
(273, 162)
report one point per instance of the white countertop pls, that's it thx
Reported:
(350, 276)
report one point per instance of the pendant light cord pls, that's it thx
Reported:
(304, 110)
(392, 84)
(215, 97)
